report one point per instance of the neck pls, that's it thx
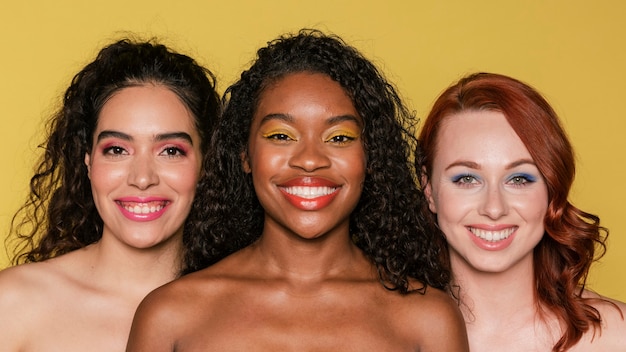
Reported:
(138, 270)
(501, 308)
(490, 297)
(294, 258)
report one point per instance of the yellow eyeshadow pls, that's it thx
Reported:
(347, 133)
(272, 133)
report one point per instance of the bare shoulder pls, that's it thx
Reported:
(612, 337)
(435, 319)
(25, 293)
(183, 307)
(180, 296)
(25, 284)
(210, 284)
(160, 314)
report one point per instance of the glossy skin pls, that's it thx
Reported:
(136, 158)
(303, 286)
(308, 171)
(485, 184)
(489, 197)
(144, 166)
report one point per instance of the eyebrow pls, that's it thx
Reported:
(342, 118)
(283, 117)
(474, 165)
(331, 121)
(159, 137)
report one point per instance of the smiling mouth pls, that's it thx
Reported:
(143, 208)
(493, 236)
(309, 192)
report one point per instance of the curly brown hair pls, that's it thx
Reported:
(59, 215)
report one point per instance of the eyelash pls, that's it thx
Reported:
(114, 150)
(279, 137)
(521, 179)
(462, 179)
(341, 139)
(518, 180)
(178, 152)
(171, 151)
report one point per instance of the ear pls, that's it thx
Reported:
(88, 164)
(428, 191)
(245, 162)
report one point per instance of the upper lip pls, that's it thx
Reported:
(309, 187)
(142, 201)
(309, 192)
(307, 181)
(491, 227)
(133, 199)
(493, 233)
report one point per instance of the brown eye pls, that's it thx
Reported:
(115, 150)
(173, 151)
(341, 139)
(279, 136)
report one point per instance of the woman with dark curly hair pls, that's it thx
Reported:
(103, 225)
(497, 170)
(309, 170)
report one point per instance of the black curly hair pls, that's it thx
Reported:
(59, 215)
(387, 223)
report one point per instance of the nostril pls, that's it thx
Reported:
(310, 158)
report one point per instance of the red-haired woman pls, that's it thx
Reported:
(497, 168)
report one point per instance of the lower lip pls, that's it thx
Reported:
(312, 203)
(142, 217)
(492, 245)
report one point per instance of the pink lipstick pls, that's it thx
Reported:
(492, 237)
(142, 208)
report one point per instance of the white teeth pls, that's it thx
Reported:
(493, 236)
(143, 208)
(309, 192)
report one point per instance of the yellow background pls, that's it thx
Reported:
(572, 51)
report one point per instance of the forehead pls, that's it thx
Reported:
(304, 87)
(145, 109)
(478, 134)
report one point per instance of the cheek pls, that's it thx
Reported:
(449, 206)
(184, 179)
(534, 207)
(265, 161)
(104, 177)
(353, 166)
(185, 175)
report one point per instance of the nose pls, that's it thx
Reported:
(310, 156)
(143, 173)
(494, 204)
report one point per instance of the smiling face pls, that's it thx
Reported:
(144, 166)
(306, 156)
(489, 197)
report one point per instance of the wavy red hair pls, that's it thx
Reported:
(573, 239)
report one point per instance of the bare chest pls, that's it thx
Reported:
(300, 324)
(81, 323)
